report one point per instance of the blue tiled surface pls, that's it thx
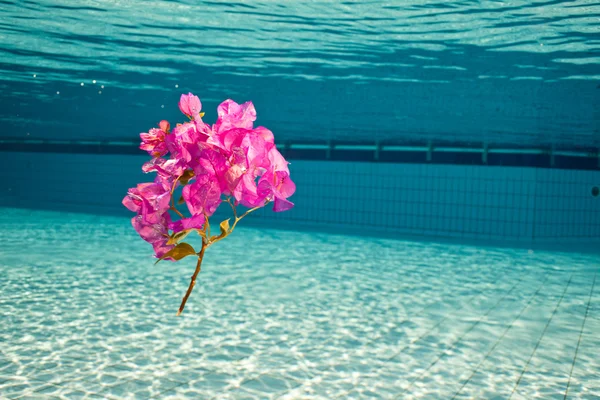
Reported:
(434, 200)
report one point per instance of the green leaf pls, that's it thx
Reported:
(224, 227)
(180, 251)
(224, 230)
(179, 236)
(187, 175)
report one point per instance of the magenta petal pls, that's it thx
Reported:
(194, 222)
(247, 192)
(164, 126)
(266, 134)
(132, 201)
(281, 204)
(232, 115)
(278, 163)
(160, 249)
(202, 196)
(233, 176)
(154, 233)
(154, 142)
(189, 104)
(285, 186)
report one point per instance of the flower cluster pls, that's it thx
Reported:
(230, 161)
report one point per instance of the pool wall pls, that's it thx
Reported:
(480, 202)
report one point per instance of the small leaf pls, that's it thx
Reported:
(180, 251)
(187, 175)
(224, 227)
(181, 200)
(224, 230)
(179, 236)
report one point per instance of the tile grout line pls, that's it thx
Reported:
(587, 309)
(499, 340)
(440, 322)
(368, 342)
(458, 340)
(434, 327)
(540, 339)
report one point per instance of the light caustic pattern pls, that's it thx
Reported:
(288, 315)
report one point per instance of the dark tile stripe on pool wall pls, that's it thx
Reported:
(587, 159)
(469, 201)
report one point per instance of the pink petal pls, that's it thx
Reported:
(280, 204)
(194, 222)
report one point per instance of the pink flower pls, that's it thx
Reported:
(185, 140)
(276, 183)
(211, 162)
(190, 105)
(231, 158)
(150, 200)
(194, 222)
(203, 195)
(167, 170)
(154, 142)
(164, 126)
(156, 234)
(233, 115)
(248, 158)
(277, 186)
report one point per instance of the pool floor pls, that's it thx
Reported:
(85, 313)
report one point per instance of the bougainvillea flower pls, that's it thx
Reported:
(212, 163)
(164, 126)
(246, 192)
(203, 195)
(156, 234)
(150, 200)
(190, 105)
(233, 115)
(184, 142)
(229, 158)
(276, 184)
(167, 170)
(277, 187)
(154, 142)
(194, 222)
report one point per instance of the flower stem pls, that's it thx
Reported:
(173, 207)
(238, 219)
(193, 280)
(177, 211)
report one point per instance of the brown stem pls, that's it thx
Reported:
(238, 219)
(228, 200)
(173, 207)
(193, 281)
(177, 211)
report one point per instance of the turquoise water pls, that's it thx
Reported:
(289, 315)
(516, 72)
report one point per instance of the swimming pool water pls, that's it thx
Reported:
(289, 315)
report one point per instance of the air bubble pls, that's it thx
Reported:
(176, 86)
(99, 91)
(57, 92)
(162, 106)
(102, 87)
(81, 83)
(34, 75)
(94, 81)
